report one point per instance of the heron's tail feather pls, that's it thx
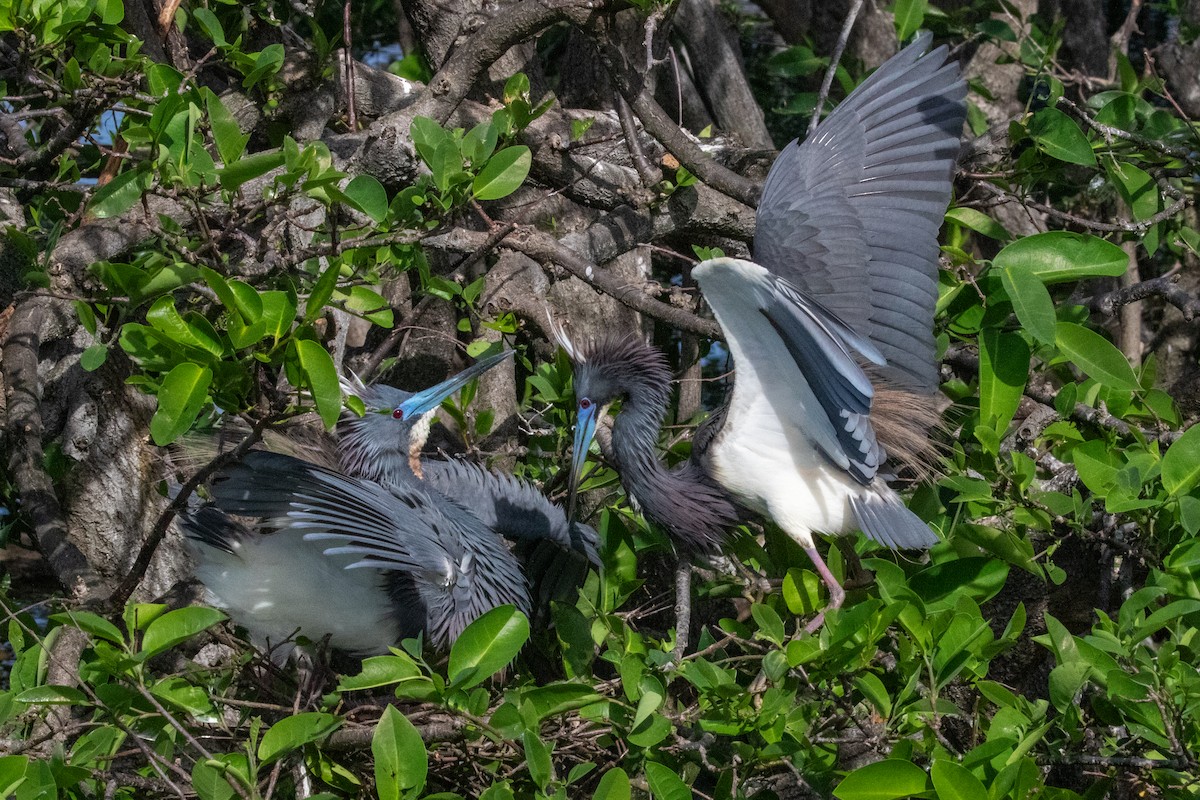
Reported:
(884, 518)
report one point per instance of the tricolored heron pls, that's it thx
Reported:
(371, 554)
(830, 333)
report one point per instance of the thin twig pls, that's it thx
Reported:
(834, 59)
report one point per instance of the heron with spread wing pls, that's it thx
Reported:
(380, 545)
(830, 330)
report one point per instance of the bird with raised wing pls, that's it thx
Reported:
(830, 331)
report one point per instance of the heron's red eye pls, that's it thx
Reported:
(397, 413)
(585, 403)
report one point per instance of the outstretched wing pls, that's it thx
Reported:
(850, 217)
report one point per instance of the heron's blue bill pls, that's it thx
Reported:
(585, 431)
(427, 400)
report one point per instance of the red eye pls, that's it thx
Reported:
(397, 413)
(585, 403)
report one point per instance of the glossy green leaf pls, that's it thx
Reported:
(1181, 463)
(1003, 370)
(118, 195)
(93, 357)
(91, 623)
(537, 759)
(321, 377)
(487, 646)
(665, 783)
(954, 782)
(321, 292)
(368, 196)
(1061, 137)
(1096, 356)
(176, 626)
(211, 783)
(401, 761)
(770, 626)
(479, 143)
(503, 174)
(50, 695)
(1137, 188)
(180, 397)
(557, 698)
(243, 170)
(614, 785)
(278, 311)
(227, 134)
(292, 733)
(884, 780)
(1060, 256)
(166, 319)
(909, 15)
(12, 773)
(979, 222)
(381, 671)
(1031, 303)
(427, 135)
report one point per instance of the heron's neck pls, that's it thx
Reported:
(685, 501)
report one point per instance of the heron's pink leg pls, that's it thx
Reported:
(836, 593)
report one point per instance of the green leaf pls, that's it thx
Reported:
(246, 169)
(1137, 188)
(292, 733)
(883, 780)
(503, 174)
(954, 782)
(211, 783)
(118, 195)
(537, 759)
(368, 196)
(1031, 302)
(322, 379)
(180, 398)
(1003, 371)
(540, 702)
(613, 786)
(479, 143)
(978, 222)
(91, 623)
(94, 357)
(1096, 356)
(166, 319)
(665, 783)
(321, 292)
(426, 136)
(909, 14)
(176, 626)
(50, 695)
(381, 671)
(1059, 136)
(211, 25)
(770, 626)
(487, 646)
(278, 311)
(227, 134)
(401, 761)
(1062, 256)
(12, 773)
(1181, 463)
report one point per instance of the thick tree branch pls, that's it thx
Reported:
(23, 430)
(459, 75)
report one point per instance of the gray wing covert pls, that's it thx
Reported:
(850, 217)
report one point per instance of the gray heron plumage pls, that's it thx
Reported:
(385, 545)
(830, 332)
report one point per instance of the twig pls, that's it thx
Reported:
(834, 59)
(649, 175)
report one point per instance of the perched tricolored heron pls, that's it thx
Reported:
(366, 552)
(830, 333)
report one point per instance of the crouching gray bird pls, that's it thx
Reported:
(366, 552)
(830, 333)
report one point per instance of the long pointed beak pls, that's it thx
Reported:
(585, 430)
(427, 400)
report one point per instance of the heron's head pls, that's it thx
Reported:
(609, 369)
(395, 423)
